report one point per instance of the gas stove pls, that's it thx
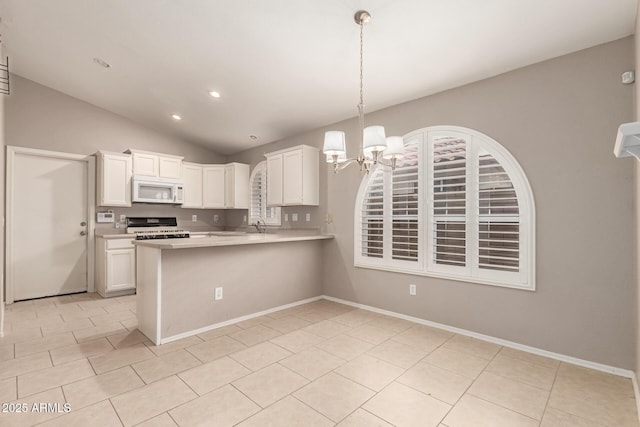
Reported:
(146, 228)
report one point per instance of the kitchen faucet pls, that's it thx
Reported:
(261, 226)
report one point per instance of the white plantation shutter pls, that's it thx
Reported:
(404, 205)
(499, 218)
(449, 201)
(373, 217)
(477, 224)
(257, 184)
(258, 209)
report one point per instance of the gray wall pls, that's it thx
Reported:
(251, 276)
(43, 118)
(559, 119)
(2, 155)
(635, 193)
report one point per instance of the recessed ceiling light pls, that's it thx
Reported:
(214, 94)
(176, 117)
(102, 62)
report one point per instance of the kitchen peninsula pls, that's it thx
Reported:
(177, 278)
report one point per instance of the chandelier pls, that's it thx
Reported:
(375, 148)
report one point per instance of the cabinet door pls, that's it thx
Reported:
(192, 175)
(292, 178)
(241, 186)
(274, 180)
(236, 177)
(229, 187)
(213, 182)
(170, 167)
(114, 180)
(145, 164)
(121, 269)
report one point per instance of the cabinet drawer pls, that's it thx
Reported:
(119, 244)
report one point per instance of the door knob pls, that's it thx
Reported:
(82, 224)
(83, 233)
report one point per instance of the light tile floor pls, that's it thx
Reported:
(318, 364)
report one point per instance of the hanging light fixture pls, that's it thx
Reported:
(375, 148)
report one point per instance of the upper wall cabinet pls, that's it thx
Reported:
(192, 179)
(157, 165)
(213, 186)
(292, 177)
(114, 179)
(236, 187)
(216, 186)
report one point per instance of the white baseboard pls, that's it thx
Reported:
(563, 358)
(636, 392)
(236, 320)
(557, 356)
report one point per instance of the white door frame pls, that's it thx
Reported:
(91, 201)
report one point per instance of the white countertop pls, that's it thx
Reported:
(229, 239)
(111, 234)
(122, 234)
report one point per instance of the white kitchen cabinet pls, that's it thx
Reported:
(113, 179)
(170, 167)
(292, 177)
(193, 188)
(213, 186)
(146, 164)
(115, 266)
(274, 180)
(236, 183)
(156, 165)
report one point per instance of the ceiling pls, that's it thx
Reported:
(284, 66)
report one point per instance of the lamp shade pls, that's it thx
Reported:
(374, 139)
(334, 143)
(341, 158)
(395, 148)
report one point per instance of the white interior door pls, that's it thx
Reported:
(48, 223)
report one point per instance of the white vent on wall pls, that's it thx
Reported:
(628, 140)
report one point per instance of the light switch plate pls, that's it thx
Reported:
(286, 217)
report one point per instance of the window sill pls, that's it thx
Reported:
(481, 281)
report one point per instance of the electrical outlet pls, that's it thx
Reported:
(286, 217)
(308, 217)
(412, 289)
(194, 218)
(218, 294)
(294, 217)
(244, 219)
(216, 219)
(123, 218)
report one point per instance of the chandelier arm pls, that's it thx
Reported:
(340, 166)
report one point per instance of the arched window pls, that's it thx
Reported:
(258, 209)
(458, 206)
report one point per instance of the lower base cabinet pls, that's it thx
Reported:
(115, 267)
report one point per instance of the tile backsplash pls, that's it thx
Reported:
(205, 217)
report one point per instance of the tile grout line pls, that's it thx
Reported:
(115, 411)
(472, 382)
(310, 407)
(555, 378)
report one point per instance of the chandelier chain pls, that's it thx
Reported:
(361, 63)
